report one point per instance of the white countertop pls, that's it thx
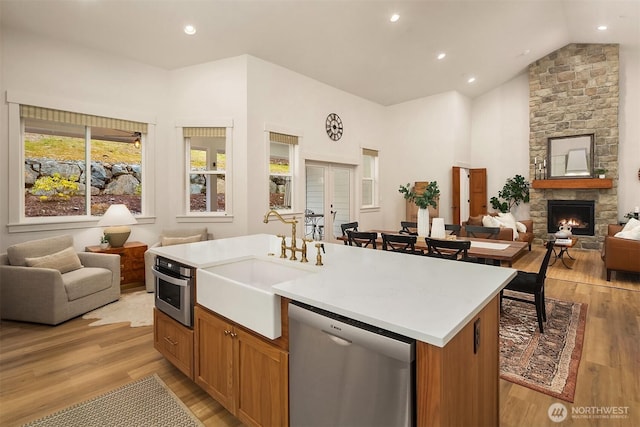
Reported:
(420, 297)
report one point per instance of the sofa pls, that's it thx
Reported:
(168, 238)
(505, 232)
(46, 281)
(620, 254)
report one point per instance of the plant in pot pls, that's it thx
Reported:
(514, 192)
(104, 242)
(427, 198)
(600, 172)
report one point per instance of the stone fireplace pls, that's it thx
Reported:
(578, 214)
(574, 91)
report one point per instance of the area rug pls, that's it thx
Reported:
(134, 307)
(146, 402)
(546, 362)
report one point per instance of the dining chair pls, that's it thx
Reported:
(532, 284)
(400, 243)
(348, 226)
(362, 239)
(481, 232)
(408, 227)
(454, 228)
(448, 249)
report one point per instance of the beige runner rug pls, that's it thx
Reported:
(546, 362)
(147, 402)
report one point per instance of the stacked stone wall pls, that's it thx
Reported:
(575, 91)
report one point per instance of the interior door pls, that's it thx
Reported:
(329, 198)
(469, 193)
(477, 192)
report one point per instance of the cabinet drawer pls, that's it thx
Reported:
(174, 341)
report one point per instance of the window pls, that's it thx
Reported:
(281, 170)
(58, 146)
(369, 177)
(208, 158)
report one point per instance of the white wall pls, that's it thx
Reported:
(629, 119)
(47, 69)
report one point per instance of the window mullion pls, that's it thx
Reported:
(87, 170)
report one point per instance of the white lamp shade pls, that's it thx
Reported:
(437, 228)
(117, 215)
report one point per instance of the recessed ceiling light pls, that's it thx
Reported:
(441, 55)
(471, 79)
(602, 27)
(394, 17)
(189, 29)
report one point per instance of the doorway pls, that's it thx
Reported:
(469, 191)
(329, 196)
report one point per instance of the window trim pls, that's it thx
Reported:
(295, 167)
(375, 154)
(17, 222)
(186, 215)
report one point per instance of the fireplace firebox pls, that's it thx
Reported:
(579, 214)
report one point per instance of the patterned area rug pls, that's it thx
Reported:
(135, 307)
(543, 362)
(146, 402)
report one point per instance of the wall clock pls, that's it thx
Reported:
(334, 126)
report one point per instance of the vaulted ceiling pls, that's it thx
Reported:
(348, 44)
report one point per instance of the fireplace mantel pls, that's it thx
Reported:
(584, 183)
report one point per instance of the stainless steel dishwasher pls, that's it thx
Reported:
(346, 373)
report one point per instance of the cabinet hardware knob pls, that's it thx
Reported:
(233, 335)
(227, 332)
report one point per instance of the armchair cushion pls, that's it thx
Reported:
(64, 261)
(37, 248)
(168, 241)
(86, 281)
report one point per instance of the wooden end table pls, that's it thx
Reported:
(131, 262)
(564, 249)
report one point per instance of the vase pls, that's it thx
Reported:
(104, 245)
(423, 222)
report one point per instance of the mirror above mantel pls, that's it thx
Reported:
(570, 157)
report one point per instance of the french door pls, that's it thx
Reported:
(329, 196)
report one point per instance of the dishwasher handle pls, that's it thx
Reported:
(336, 339)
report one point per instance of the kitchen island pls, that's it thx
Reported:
(450, 308)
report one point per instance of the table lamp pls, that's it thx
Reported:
(437, 228)
(117, 220)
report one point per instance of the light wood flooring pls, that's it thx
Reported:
(44, 369)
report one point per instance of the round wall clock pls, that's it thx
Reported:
(334, 126)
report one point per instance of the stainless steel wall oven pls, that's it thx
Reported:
(175, 289)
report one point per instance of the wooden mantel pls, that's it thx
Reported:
(576, 183)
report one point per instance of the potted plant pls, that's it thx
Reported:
(600, 172)
(104, 242)
(428, 198)
(514, 192)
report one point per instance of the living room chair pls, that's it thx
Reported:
(532, 284)
(362, 239)
(400, 243)
(348, 226)
(171, 237)
(481, 232)
(47, 281)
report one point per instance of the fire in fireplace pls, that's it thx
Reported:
(579, 214)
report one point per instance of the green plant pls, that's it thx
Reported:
(427, 198)
(104, 239)
(52, 187)
(515, 191)
(600, 171)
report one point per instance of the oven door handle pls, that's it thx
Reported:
(171, 279)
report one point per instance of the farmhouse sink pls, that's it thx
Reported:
(240, 290)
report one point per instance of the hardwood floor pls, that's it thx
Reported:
(44, 369)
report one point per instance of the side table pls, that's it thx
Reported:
(564, 245)
(131, 262)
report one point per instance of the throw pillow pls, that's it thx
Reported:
(631, 225)
(509, 221)
(521, 227)
(490, 221)
(64, 261)
(633, 234)
(169, 241)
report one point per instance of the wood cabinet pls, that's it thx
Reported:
(247, 374)
(174, 341)
(458, 384)
(131, 261)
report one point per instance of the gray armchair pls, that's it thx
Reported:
(168, 238)
(47, 295)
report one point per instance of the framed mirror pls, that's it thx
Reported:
(570, 156)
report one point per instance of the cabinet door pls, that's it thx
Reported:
(262, 378)
(174, 341)
(214, 357)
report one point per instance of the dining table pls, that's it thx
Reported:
(498, 251)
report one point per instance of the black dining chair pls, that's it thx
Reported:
(408, 227)
(453, 228)
(481, 232)
(448, 249)
(348, 226)
(400, 243)
(362, 239)
(532, 284)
